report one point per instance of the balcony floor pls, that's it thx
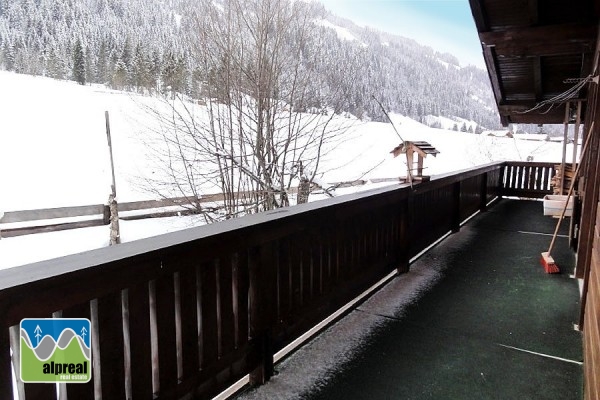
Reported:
(476, 318)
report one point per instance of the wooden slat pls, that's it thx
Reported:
(542, 40)
(284, 284)
(30, 230)
(5, 364)
(46, 391)
(139, 335)
(110, 337)
(188, 303)
(81, 390)
(51, 213)
(262, 291)
(296, 272)
(225, 309)
(307, 271)
(528, 178)
(328, 254)
(208, 314)
(240, 296)
(147, 204)
(166, 334)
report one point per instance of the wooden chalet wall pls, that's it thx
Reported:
(588, 261)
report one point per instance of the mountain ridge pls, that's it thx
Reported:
(147, 46)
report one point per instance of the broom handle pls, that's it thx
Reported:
(562, 214)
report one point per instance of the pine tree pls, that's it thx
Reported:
(120, 75)
(102, 65)
(78, 63)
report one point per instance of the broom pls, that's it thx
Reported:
(547, 261)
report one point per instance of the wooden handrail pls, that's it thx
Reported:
(252, 285)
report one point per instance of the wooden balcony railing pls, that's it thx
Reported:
(191, 312)
(527, 179)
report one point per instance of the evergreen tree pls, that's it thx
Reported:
(455, 127)
(78, 63)
(102, 65)
(463, 128)
(119, 79)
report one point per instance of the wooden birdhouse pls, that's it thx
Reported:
(421, 149)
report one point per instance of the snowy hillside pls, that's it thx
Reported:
(154, 45)
(54, 153)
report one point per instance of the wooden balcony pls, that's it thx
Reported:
(189, 313)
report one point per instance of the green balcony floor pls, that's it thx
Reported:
(487, 324)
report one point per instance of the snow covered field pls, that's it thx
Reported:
(53, 153)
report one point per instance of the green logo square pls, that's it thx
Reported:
(56, 350)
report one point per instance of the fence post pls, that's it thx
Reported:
(262, 275)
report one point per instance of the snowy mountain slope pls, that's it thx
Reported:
(151, 44)
(54, 153)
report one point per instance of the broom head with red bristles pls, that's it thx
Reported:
(548, 263)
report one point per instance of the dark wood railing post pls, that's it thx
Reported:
(262, 307)
(455, 207)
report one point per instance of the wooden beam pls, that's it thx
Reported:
(514, 113)
(508, 109)
(537, 78)
(542, 40)
(479, 15)
(533, 12)
(492, 67)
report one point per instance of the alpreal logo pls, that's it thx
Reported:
(56, 350)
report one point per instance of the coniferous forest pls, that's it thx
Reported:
(152, 46)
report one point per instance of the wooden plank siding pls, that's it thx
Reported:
(588, 252)
(215, 303)
(591, 323)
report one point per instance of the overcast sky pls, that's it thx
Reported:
(445, 25)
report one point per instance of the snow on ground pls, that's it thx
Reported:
(341, 32)
(54, 153)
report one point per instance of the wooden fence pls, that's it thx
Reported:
(190, 312)
(521, 179)
(528, 179)
(63, 218)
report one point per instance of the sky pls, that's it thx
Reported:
(445, 25)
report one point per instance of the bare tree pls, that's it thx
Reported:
(261, 125)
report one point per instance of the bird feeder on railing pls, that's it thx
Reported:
(421, 149)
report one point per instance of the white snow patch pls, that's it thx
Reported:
(54, 153)
(341, 32)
